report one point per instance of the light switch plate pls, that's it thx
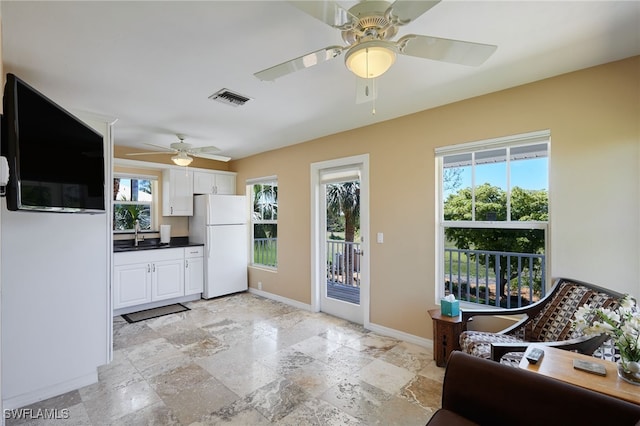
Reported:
(380, 238)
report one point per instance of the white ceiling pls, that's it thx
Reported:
(153, 65)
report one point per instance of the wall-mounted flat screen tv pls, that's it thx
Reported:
(56, 162)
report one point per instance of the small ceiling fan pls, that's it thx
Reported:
(367, 28)
(182, 150)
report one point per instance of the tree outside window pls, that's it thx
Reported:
(132, 200)
(264, 220)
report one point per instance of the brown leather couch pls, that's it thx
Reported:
(477, 391)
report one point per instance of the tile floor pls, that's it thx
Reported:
(247, 360)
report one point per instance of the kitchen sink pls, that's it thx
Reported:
(131, 247)
(150, 244)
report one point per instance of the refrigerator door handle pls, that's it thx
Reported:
(208, 242)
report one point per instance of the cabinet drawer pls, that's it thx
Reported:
(190, 252)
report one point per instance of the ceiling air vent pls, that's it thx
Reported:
(228, 97)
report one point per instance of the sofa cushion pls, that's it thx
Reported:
(478, 343)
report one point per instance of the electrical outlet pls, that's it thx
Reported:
(259, 285)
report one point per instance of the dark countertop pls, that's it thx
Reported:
(120, 246)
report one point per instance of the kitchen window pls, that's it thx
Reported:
(264, 221)
(493, 219)
(134, 199)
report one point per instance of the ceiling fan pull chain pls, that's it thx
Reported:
(373, 83)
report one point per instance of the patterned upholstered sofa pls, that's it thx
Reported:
(547, 321)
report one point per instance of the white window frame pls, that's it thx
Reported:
(153, 205)
(531, 138)
(250, 183)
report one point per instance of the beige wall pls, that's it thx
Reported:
(594, 118)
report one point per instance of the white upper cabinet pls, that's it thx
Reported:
(180, 183)
(177, 192)
(214, 183)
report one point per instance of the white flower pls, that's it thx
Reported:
(622, 324)
(613, 317)
(628, 303)
(602, 327)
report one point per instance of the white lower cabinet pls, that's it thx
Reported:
(193, 270)
(167, 279)
(152, 275)
(131, 284)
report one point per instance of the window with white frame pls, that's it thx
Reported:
(493, 201)
(133, 199)
(264, 221)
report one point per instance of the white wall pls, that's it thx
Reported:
(2, 78)
(55, 301)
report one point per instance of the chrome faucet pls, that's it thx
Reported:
(137, 238)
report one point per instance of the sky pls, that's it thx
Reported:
(527, 174)
(124, 192)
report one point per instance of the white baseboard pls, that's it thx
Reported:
(401, 335)
(291, 302)
(19, 401)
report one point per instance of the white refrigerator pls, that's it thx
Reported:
(220, 223)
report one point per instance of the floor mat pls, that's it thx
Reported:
(155, 312)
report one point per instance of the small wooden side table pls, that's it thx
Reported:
(446, 335)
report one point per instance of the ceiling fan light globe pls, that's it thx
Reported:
(370, 59)
(182, 159)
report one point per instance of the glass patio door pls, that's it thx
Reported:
(341, 242)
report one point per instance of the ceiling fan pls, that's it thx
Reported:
(182, 150)
(368, 28)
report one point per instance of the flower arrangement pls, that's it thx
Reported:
(622, 325)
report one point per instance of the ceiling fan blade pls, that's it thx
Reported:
(150, 153)
(402, 12)
(204, 150)
(306, 61)
(329, 12)
(164, 148)
(446, 50)
(211, 156)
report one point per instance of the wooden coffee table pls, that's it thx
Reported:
(558, 364)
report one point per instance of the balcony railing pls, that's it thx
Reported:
(343, 262)
(470, 275)
(265, 251)
(343, 270)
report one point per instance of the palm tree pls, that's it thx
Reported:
(343, 199)
(265, 207)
